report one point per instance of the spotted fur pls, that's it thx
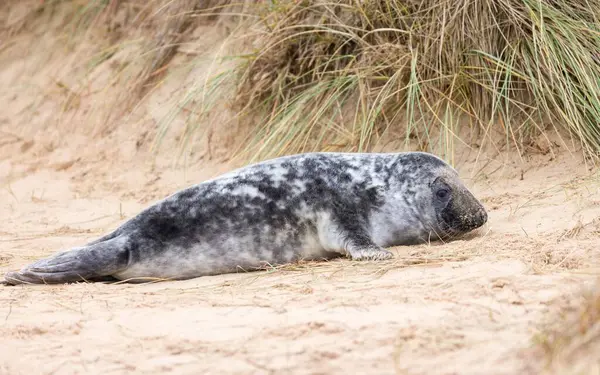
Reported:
(307, 206)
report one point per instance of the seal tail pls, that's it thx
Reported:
(79, 264)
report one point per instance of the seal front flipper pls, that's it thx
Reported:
(361, 247)
(357, 243)
(79, 264)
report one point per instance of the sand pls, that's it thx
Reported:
(472, 306)
(466, 307)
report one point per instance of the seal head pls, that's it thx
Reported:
(455, 209)
(424, 200)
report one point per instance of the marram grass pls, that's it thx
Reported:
(338, 74)
(329, 74)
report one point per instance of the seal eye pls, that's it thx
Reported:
(442, 193)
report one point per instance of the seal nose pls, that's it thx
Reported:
(475, 220)
(484, 216)
(480, 218)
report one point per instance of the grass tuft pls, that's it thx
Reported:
(572, 342)
(338, 74)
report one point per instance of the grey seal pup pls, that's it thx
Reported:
(308, 206)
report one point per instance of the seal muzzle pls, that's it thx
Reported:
(458, 211)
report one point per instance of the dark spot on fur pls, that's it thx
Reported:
(162, 229)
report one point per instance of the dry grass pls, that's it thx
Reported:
(543, 256)
(338, 74)
(571, 342)
(135, 41)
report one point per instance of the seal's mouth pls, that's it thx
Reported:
(455, 220)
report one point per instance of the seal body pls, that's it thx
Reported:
(307, 206)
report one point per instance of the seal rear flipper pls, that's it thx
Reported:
(80, 264)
